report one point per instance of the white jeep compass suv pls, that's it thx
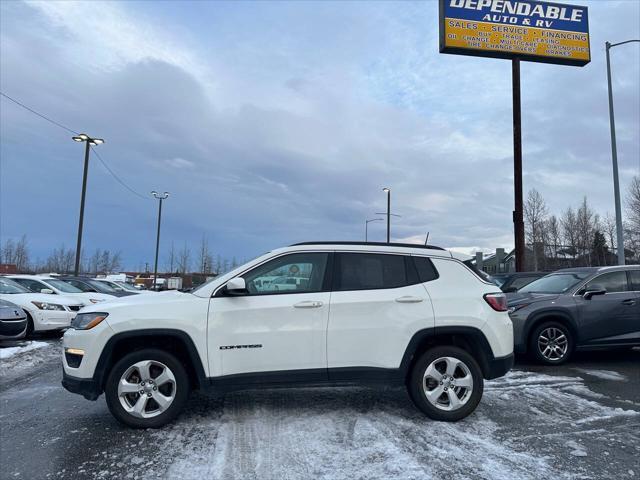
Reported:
(391, 314)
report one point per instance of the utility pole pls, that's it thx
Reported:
(160, 197)
(614, 157)
(388, 190)
(89, 142)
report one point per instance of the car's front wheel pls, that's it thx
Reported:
(551, 343)
(147, 389)
(446, 383)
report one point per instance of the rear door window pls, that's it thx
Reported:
(370, 271)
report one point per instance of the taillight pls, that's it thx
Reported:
(497, 301)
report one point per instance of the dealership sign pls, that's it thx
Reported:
(524, 29)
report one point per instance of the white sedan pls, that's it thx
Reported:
(44, 312)
(50, 285)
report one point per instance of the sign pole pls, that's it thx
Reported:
(518, 216)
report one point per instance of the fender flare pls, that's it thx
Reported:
(475, 334)
(99, 375)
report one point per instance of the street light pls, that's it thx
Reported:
(366, 227)
(160, 197)
(89, 142)
(614, 156)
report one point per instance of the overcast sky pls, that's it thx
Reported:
(277, 122)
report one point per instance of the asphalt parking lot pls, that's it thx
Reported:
(578, 421)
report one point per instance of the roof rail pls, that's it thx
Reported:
(377, 244)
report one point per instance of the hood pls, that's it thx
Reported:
(516, 298)
(137, 300)
(25, 299)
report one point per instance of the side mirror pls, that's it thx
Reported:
(236, 286)
(592, 291)
(46, 290)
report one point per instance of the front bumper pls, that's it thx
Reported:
(13, 329)
(87, 387)
(498, 367)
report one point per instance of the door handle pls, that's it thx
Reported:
(308, 304)
(629, 302)
(409, 299)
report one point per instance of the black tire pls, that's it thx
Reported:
(536, 343)
(30, 327)
(181, 392)
(416, 386)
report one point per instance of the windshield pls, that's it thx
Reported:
(110, 284)
(126, 286)
(555, 283)
(62, 286)
(10, 287)
(100, 286)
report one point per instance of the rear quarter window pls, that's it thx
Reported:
(455, 271)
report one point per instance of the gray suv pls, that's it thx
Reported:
(577, 309)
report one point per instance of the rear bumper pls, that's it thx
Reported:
(498, 367)
(87, 387)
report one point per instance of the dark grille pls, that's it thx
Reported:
(75, 308)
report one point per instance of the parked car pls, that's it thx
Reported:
(133, 288)
(391, 314)
(56, 286)
(577, 309)
(13, 321)
(91, 286)
(117, 287)
(514, 281)
(45, 312)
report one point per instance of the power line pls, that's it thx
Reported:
(104, 164)
(118, 179)
(38, 113)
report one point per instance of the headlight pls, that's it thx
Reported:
(48, 306)
(86, 321)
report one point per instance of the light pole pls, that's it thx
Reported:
(388, 190)
(614, 156)
(89, 142)
(366, 227)
(160, 197)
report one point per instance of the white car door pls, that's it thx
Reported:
(377, 304)
(268, 330)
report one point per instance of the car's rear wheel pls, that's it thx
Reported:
(147, 389)
(551, 343)
(446, 383)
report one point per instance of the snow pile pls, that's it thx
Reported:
(8, 352)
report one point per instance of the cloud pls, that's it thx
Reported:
(278, 122)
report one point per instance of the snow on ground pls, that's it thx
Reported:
(528, 426)
(20, 359)
(8, 352)
(603, 374)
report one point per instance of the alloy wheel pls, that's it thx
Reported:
(553, 344)
(146, 389)
(447, 383)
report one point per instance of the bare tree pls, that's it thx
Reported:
(587, 224)
(205, 259)
(554, 235)
(184, 259)
(171, 259)
(535, 214)
(609, 230)
(16, 253)
(632, 225)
